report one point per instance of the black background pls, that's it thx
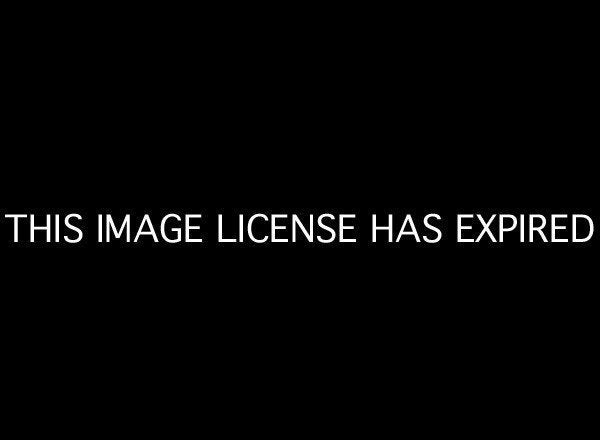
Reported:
(386, 112)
